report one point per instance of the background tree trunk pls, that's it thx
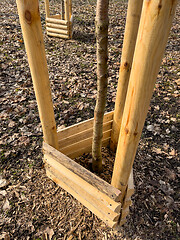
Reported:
(102, 78)
(62, 9)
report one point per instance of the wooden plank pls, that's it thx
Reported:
(87, 149)
(66, 5)
(72, 191)
(57, 16)
(33, 38)
(58, 21)
(54, 30)
(82, 191)
(57, 26)
(70, 8)
(103, 198)
(78, 170)
(82, 135)
(79, 127)
(57, 35)
(154, 27)
(82, 144)
(47, 8)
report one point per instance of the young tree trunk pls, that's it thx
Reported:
(102, 78)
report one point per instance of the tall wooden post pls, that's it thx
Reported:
(70, 8)
(66, 3)
(152, 36)
(47, 8)
(32, 32)
(131, 29)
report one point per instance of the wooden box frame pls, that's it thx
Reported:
(97, 195)
(56, 26)
(145, 41)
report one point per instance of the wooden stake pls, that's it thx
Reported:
(71, 19)
(47, 8)
(153, 33)
(32, 32)
(131, 29)
(66, 10)
(70, 8)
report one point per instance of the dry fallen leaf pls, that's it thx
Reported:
(173, 152)
(48, 233)
(5, 236)
(6, 205)
(3, 182)
(157, 150)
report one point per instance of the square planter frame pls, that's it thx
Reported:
(97, 195)
(56, 26)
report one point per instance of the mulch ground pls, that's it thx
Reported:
(32, 206)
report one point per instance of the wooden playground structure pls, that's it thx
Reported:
(59, 25)
(146, 33)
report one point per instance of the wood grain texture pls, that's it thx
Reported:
(81, 189)
(47, 8)
(82, 126)
(54, 30)
(51, 34)
(33, 38)
(57, 21)
(66, 6)
(70, 9)
(130, 36)
(87, 149)
(62, 182)
(82, 144)
(82, 135)
(57, 26)
(81, 172)
(152, 36)
(95, 193)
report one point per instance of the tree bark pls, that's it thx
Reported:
(102, 22)
(62, 10)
